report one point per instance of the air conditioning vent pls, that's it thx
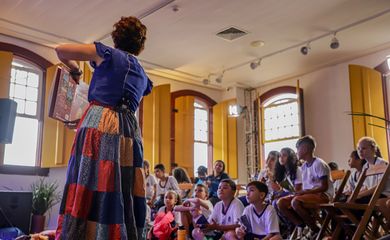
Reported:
(231, 33)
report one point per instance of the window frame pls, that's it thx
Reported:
(40, 62)
(209, 102)
(267, 96)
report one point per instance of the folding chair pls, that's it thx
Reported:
(349, 219)
(335, 175)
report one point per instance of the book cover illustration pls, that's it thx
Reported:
(69, 100)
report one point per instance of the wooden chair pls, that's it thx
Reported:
(325, 225)
(186, 186)
(348, 220)
(316, 207)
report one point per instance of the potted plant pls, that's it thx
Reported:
(45, 196)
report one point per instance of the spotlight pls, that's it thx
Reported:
(254, 65)
(334, 43)
(206, 81)
(305, 49)
(220, 77)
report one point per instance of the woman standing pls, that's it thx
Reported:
(104, 195)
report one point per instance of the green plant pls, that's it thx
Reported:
(45, 196)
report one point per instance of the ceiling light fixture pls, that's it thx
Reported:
(220, 77)
(305, 49)
(254, 65)
(206, 81)
(334, 43)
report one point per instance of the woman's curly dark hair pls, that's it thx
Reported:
(129, 35)
(291, 166)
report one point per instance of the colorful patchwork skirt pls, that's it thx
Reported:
(104, 195)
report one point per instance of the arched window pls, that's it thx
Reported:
(25, 87)
(282, 119)
(198, 118)
(201, 134)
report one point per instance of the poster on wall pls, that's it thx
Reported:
(68, 100)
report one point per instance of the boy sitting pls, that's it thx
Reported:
(317, 186)
(223, 219)
(259, 220)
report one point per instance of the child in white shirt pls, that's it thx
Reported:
(150, 190)
(196, 211)
(259, 220)
(223, 219)
(165, 183)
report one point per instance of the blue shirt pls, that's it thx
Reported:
(118, 76)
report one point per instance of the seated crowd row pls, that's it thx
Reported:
(274, 202)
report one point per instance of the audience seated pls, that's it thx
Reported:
(181, 176)
(150, 190)
(317, 187)
(223, 219)
(288, 180)
(214, 180)
(259, 220)
(267, 175)
(165, 183)
(167, 220)
(195, 211)
(202, 175)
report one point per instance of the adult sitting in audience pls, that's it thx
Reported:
(214, 180)
(266, 175)
(223, 220)
(181, 176)
(317, 187)
(165, 183)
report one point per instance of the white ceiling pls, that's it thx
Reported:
(182, 44)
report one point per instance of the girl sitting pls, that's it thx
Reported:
(167, 220)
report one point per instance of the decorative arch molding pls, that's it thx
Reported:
(208, 101)
(26, 54)
(277, 91)
(286, 89)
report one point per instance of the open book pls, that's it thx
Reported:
(68, 100)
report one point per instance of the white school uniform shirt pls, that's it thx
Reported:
(352, 181)
(372, 181)
(169, 184)
(312, 174)
(263, 223)
(207, 212)
(150, 182)
(176, 215)
(232, 213)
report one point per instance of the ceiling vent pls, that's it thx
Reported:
(231, 33)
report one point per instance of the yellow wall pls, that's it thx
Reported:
(156, 128)
(367, 97)
(184, 133)
(225, 137)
